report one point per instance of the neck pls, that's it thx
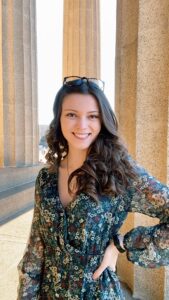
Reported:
(75, 159)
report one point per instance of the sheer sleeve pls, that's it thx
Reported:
(31, 265)
(148, 246)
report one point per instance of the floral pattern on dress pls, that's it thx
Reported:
(67, 245)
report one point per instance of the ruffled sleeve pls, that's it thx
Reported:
(31, 265)
(148, 246)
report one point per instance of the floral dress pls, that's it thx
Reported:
(67, 245)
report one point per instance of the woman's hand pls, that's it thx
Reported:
(109, 260)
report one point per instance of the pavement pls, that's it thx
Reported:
(13, 238)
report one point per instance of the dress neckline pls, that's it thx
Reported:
(57, 190)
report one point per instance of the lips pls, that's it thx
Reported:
(81, 136)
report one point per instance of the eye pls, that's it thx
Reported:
(71, 115)
(92, 117)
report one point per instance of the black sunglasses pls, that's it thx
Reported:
(77, 81)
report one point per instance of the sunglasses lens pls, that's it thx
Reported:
(97, 82)
(73, 80)
(76, 81)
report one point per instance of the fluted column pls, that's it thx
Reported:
(1, 99)
(81, 41)
(18, 107)
(27, 82)
(33, 76)
(19, 83)
(142, 71)
(8, 83)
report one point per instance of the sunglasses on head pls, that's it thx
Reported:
(77, 81)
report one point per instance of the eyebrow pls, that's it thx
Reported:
(93, 111)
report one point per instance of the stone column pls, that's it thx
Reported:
(125, 98)
(34, 94)
(8, 83)
(27, 81)
(20, 82)
(142, 72)
(1, 99)
(152, 112)
(81, 47)
(126, 70)
(18, 107)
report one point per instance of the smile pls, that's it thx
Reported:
(81, 136)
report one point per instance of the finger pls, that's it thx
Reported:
(98, 272)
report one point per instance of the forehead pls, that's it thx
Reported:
(80, 102)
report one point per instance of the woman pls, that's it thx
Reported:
(82, 199)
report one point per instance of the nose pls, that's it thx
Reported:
(82, 123)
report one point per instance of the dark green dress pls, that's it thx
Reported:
(67, 245)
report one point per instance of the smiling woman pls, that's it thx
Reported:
(82, 198)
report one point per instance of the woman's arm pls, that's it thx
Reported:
(30, 267)
(148, 246)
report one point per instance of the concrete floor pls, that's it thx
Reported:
(13, 238)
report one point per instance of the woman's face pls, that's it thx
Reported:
(80, 120)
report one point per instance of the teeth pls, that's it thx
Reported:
(81, 135)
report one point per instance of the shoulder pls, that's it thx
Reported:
(45, 175)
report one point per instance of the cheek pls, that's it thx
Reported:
(63, 122)
(63, 126)
(66, 126)
(98, 126)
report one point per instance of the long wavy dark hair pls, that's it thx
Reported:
(107, 169)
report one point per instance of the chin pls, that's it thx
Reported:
(80, 147)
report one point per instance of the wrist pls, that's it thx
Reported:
(118, 242)
(121, 238)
